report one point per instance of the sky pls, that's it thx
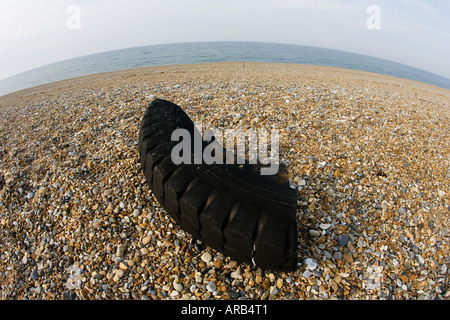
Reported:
(34, 33)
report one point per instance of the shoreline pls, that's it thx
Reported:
(367, 153)
(93, 79)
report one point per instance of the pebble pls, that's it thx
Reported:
(34, 274)
(266, 283)
(236, 275)
(178, 286)
(310, 263)
(146, 239)
(348, 255)
(324, 226)
(279, 283)
(420, 259)
(343, 240)
(322, 164)
(123, 266)
(120, 250)
(337, 255)
(206, 257)
(211, 287)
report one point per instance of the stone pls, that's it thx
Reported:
(118, 275)
(178, 286)
(337, 255)
(420, 259)
(206, 257)
(343, 240)
(279, 283)
(123, 266)
(310, 263)
(324, 226)
(120, 250)
(327, 254)
(146, 240)
(266, 283)
(218, 263)
(337, 174)
(34, 274)
(348, 255)
(84, 294)
(211, 287)
(407, 265)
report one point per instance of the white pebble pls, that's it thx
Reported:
(178, 286)
(206, 257)
(324, 226)
(322, 164)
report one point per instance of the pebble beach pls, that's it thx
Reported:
(368, 154)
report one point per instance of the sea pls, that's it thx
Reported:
(205, 52)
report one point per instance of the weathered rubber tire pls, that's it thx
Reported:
(231, 208)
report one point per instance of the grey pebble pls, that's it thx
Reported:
(310, 263)
(327, 254)
(34, 274)
(306, 274)
(337, 255)
(343, 240)
(211, 287)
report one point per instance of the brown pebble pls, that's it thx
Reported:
(84, 294)
(348, 255)
(266, 283)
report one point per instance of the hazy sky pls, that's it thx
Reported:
(35, 33)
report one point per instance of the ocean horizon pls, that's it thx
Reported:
(208, 52)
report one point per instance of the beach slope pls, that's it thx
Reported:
(367, 153)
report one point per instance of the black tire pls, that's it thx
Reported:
(231, 208)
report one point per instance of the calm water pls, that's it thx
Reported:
(189, 53)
